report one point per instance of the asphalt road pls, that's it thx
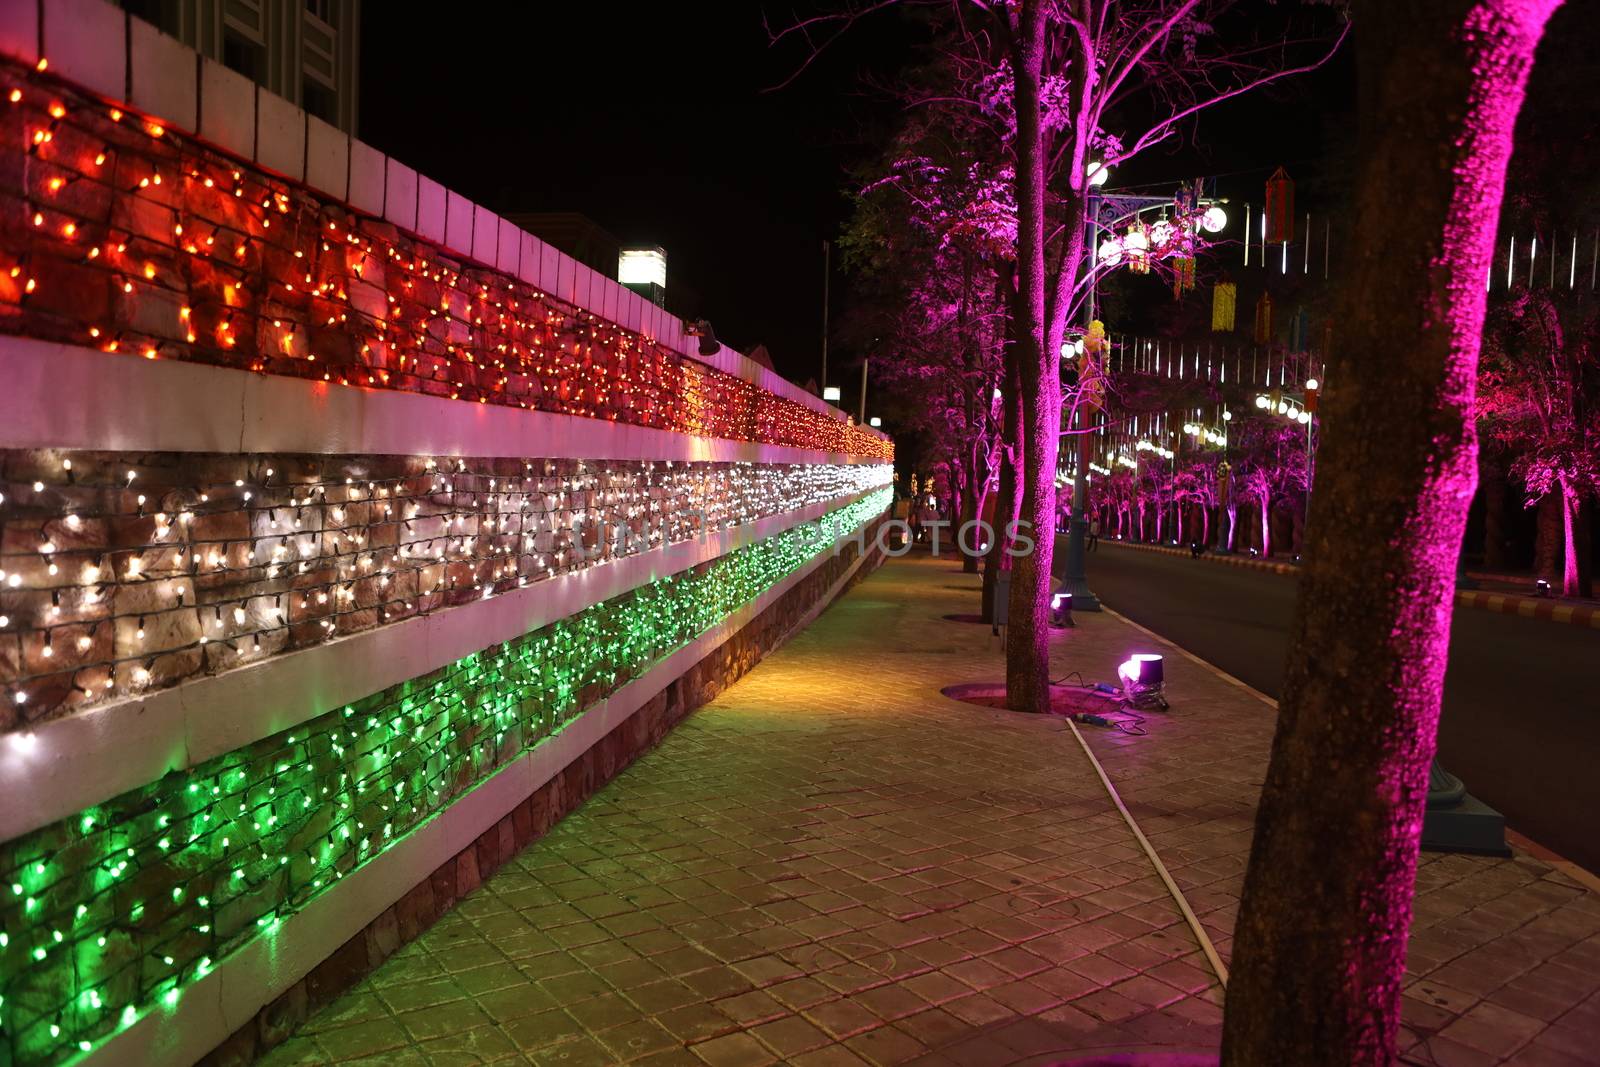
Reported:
(1521, 720)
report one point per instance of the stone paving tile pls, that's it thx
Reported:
(833, 864)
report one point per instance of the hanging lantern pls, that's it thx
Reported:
(1214, 219)
(1110, 252)
(1091, 374)
(1263, 331)
(1299, 330)
(1161, 234)
(1182, 275)
(1136, 243)
(1280, 207)
(1223, 299)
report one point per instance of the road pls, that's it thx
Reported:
(1521, 720)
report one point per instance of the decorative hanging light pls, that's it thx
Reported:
(1136, 243)
(1224, 299)
(1214, 219)
(1279, 214)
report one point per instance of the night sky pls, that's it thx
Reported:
(651, 120)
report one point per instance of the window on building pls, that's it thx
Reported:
(319, 100)
(162, 14)
(243, 55)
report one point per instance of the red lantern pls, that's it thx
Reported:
(1280, 207)
(1263, 330)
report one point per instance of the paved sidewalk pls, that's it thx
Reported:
(833, 864)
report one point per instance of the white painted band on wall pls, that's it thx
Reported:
(213, 1007)
(67, 396)
(65, 765)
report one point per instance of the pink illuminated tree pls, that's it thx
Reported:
(1047, 76)
(1320, 939)
(1537, 399)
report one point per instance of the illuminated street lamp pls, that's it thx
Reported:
(831, 394)
(875, 422)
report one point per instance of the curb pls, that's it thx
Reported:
(1546, 609)
(1530, 607)
(1209, 556)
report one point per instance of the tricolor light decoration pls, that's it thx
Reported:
(112, 912)
(221, 264)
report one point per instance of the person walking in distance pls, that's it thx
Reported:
(1094, 533)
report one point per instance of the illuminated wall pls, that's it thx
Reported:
(337, 518)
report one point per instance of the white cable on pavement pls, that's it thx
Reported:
(1217, 966)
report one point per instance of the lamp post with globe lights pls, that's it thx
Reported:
(1118, 236)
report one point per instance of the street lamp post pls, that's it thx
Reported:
(1105, 212)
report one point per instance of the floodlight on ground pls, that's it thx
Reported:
(1144, 680)
(1061, 610)
(831, 394)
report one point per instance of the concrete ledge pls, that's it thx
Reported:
(124, 404)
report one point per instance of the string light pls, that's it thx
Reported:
(408, 317)
(380, 546)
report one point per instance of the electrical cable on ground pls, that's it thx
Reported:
(1217, 966)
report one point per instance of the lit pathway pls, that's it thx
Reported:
(833, 864)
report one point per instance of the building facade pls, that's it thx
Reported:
(306, 51)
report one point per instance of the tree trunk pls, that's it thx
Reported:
(1547, 538)
(1264, 505)
(1569, 539)
(1005, 504)
(1494, 515)
(1233, 524)
(1320, 939)
(1027, 639)
(1585, 542)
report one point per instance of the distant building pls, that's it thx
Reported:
(642, 268)
(574, 233)
(306, 51)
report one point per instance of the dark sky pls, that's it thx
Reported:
(648, 118)
(651, 120)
